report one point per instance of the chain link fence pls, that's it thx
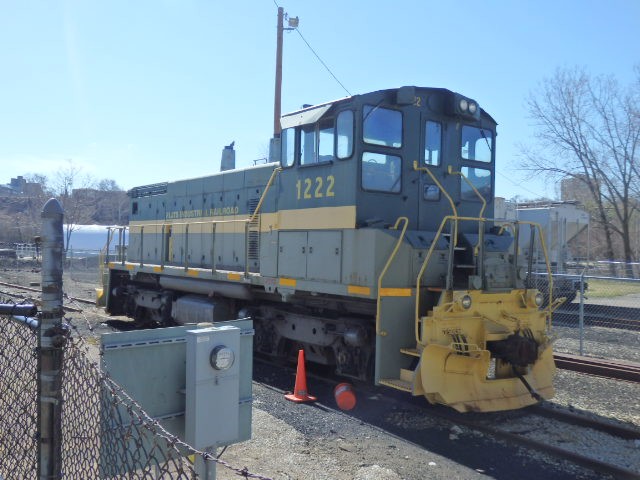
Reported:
(104, 432)
(601, 316)
(18, 394)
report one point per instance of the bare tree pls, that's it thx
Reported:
(113, 202)
(108, 185)
(588, 130)
(74, 191)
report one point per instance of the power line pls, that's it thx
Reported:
(317, 56)
(323, 64)
(519, 185)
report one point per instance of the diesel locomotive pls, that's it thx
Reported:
(367, 240)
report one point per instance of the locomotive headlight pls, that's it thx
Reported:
(466, 302)
(464, 105)
(473, 107)
(539, 298)
(222, 358)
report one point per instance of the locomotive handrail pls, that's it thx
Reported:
(275, 172)
(457, 219)
(386, 267)
(475, 190)
(163, 225)
(421, 272)
(538, 227)
(122, 231)
(444, 192)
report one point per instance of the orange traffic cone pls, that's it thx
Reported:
(300, 393)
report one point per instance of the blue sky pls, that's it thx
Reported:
(150, 91)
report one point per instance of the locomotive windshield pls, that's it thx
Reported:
(481, 180)
(382, 126)
(477, 144)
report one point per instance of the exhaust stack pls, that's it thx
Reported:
(228, 160)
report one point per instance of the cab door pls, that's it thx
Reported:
(433, 204)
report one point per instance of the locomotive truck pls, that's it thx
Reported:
(367, 241)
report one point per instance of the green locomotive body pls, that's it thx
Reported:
(368, 242)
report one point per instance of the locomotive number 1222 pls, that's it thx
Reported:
(315, 188)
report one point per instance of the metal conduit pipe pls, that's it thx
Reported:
(207, 287)
(30, 322)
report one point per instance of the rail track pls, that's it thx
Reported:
(498, 425)
(599, 367)
(610, 316)
(37, 290)
(498, 430)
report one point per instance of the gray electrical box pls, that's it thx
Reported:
(212, 386)
(195, 380)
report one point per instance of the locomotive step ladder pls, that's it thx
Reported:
(406, 381)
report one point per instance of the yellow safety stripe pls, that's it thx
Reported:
(357, 290)
(396, 292)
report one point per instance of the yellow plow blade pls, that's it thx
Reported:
(460, 381)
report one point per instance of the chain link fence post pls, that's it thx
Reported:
(51, 340)
(581, 312)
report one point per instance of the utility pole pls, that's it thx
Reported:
(277, 107)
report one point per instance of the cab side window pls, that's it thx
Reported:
(381, 173)
(288, 144)
(308, 145)
(325, 141)
(344, 134)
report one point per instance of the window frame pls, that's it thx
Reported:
(362, 175)
(353, 134)
(299, 131)
(473, 197)
(295, 147)
(385, 107)
(424, 140)
(491, 149)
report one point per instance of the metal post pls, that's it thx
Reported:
(141, 249)
(213, 248)
(186, 248)
(246, 250)
(205, 468)
(162, 246)
(110, 234)
(122, 248)
(51, 340)
(278, 93)
(452, 251)
(581, 314)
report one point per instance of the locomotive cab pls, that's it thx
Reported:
(363, 149)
